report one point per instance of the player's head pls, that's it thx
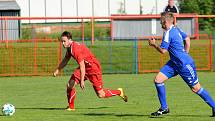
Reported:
(167, 19)
(66, 38)
(66, 34)
(171, 3)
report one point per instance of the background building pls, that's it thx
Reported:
(9, 8)
(89, 7)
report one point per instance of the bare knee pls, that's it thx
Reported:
(71, 84)
(160, 78)
(101, 94)
(196, 88)
(157, 80)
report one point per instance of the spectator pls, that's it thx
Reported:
(171, 7)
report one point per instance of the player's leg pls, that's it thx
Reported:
(98, 87)
(161, 93)
(165, 73)
(213, 113)
(71, 93)
(205, 96)
(189, 75)
(105, 93)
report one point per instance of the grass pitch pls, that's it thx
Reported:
(44, 99)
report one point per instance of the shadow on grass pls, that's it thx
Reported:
(29, 108)
(144, 115)
(40, 108)
(96, 108)
(113, 114)
(188, 115)
(181, 115)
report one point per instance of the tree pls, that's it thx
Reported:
(214, 7)
(189, 6)
(205, 7)
(201, 7)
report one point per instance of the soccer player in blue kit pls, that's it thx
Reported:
(177, 43)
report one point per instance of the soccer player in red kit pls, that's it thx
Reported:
(89, 69)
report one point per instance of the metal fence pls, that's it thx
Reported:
(38, 51)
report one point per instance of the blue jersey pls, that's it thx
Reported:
(180, 61)
(173, 42)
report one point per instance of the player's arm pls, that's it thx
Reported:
(63, 62)
(186, 40)
(187, 44)
(152, 42)
(82, 70)
(62, 65)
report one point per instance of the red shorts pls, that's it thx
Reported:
(95, 78)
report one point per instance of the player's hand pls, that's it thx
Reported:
(152, 41)
(82, 85)
(56, 72)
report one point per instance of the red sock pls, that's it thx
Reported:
(71, 98)
(110, 93)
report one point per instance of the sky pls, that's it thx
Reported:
(36, 8)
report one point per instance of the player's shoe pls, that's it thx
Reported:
(122, 95)
(213, 113)
(160, 112)
(69, 109)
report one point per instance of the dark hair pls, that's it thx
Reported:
(66, 34)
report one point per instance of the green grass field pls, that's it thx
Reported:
(44, 99)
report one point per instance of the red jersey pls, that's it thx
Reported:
(80, 52)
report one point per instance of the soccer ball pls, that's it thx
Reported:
(8, 109)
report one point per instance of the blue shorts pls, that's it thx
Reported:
(187, 72)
